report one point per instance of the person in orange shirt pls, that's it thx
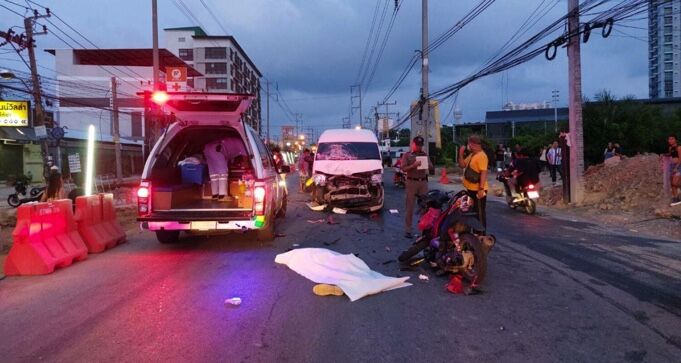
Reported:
(475, 166)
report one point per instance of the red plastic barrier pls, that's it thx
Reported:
(90, 225)
(109, 217)
(44, 239)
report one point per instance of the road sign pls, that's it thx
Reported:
(74, 163)
(14, 113)
(176, 74)
(40, 132)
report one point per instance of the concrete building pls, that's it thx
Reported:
(502, 126)
(664, 34)
(225, 65)
(84, 91)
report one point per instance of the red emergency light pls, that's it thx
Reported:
(159, 97)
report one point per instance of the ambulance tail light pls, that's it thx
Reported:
(144, 198)
(259, 199)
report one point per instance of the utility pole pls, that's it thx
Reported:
(576, 136)
(555, 95)
(115, 125)
(153, 116)
(37, 96)
(386, 125)
(358, 90)
(425, 110)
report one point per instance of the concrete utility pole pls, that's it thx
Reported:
(386, 126)
(151, 119)
(37, 95)
(116, 131)
(425, 114)
(576, 136)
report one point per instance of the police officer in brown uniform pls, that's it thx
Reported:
(417, 180)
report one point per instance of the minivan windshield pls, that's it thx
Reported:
(348, 151)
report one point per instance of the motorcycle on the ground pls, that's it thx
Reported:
(15, 199)
(527, 196)
(439, 215)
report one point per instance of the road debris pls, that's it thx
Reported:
(423, 277)
(416, 262)
(387, 249)
(394, 211)
(316, 207)
(316, 221)
(295, 245)
(340, 210)
(277, 235)
(331, 220)
(388, 262)
(233, 302)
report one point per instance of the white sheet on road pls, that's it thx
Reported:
(348, 272)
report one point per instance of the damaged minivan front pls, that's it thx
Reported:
(347, 170)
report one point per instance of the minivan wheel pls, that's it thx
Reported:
(266, 234)
(167, 236)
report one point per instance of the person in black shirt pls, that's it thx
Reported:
(525, 171)
(500, 156)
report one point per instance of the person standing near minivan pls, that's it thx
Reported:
(475, 175)
(417, 179)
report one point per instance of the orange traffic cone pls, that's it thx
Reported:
(444, 179)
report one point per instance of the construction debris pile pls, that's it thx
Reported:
(632, 185)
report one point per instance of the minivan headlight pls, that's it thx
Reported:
(319, 179)
(377, 179)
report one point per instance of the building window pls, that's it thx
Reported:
(668, 66)
(190, 82)
(668, 38)
(668, 48)
(136, 124)
(216, 83)
(668, 30)
(668, 57)
(668, 76)
(187, 54)
(181, 39)
(216, 53)
(667, 20)
(667, 11)
(216, 68)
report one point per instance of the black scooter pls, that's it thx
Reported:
(14, 200)
(525, 199)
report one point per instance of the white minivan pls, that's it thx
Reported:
(175, 192)
(348, 171)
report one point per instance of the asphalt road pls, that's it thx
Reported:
(557, 290)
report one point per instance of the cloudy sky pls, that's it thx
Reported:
(313, 49)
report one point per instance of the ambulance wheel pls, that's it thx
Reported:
(166, 237)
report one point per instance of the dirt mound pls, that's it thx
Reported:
(632, 184)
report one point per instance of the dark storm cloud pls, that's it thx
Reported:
(313, 49)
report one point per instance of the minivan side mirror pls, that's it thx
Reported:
(284, 169)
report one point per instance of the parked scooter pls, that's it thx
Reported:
(527, 196)
(14, 200)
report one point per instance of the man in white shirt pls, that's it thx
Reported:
(555, 160)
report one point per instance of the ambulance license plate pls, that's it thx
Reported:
(204, 225)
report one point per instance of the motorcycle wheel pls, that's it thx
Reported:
(530, 207)
(417, 247)
(13, 200)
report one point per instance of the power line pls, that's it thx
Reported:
(368, 41)
(212, 14)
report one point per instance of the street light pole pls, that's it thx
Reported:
(424, 73)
